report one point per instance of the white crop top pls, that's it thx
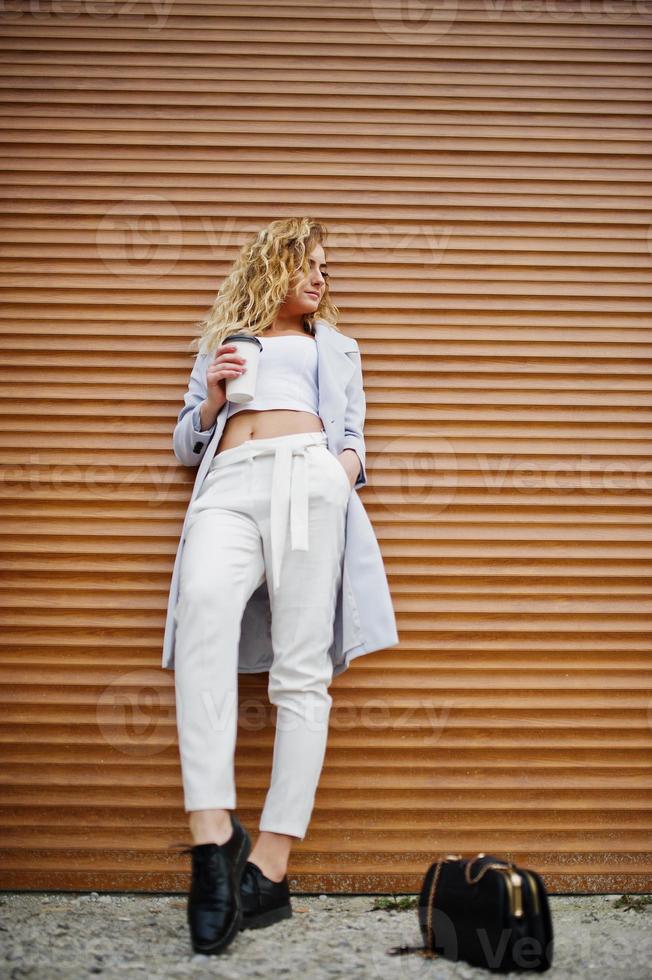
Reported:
(287, 376)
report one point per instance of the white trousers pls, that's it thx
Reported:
(270, 509)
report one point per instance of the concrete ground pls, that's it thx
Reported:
(66, 936)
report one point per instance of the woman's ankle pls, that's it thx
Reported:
(210, 826)
(271, 853)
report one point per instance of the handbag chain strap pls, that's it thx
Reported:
(429, 952)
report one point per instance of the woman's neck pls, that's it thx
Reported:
(269, 332)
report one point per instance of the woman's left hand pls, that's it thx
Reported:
(349, 460)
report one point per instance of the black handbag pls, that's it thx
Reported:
(485, 911)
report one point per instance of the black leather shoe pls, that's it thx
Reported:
(214, 901)
(264, 901)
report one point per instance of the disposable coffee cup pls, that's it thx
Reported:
(241, 389)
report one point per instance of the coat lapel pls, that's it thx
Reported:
(334, 368)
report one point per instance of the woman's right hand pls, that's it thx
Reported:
(225, 364)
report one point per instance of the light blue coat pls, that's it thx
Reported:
(364, 616)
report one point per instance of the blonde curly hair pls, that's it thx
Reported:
(261, 278)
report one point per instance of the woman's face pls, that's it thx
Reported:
(308, 292)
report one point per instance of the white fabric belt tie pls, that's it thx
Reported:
(289, 492)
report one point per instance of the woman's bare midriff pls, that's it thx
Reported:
(266, 424)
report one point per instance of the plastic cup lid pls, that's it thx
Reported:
(244, 336)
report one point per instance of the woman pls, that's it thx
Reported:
(261, 582)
